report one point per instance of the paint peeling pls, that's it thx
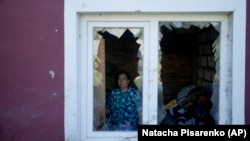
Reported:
(36, 115)
(84, 5)
(52, 96)
(52, 74)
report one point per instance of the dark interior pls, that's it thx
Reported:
(187, 62)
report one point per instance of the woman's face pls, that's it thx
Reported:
(123, 81)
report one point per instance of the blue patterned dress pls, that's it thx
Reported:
(124, 107)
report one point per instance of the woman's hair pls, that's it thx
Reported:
(131, 82)
(122, 72)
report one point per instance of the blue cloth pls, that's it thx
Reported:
(124, 107)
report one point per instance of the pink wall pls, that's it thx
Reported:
(31, 45)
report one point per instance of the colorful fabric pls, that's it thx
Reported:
(124, 107)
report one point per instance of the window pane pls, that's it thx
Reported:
(188, 72)
(115, 49)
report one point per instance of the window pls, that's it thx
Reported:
(115, 49)
(136, 38)
(84, 34)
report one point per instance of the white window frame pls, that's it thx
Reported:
(232, 13)
(96, 21)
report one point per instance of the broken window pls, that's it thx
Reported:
(225, 81)
(188, 60)
(188, 72)
(115, 49)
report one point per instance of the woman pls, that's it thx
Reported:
(124, 105)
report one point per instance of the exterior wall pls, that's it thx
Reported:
(32, 70)
(247, 83)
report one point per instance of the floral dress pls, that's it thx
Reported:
(124, 107)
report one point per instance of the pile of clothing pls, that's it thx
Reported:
(191, 107)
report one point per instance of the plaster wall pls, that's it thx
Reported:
(32, 70)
